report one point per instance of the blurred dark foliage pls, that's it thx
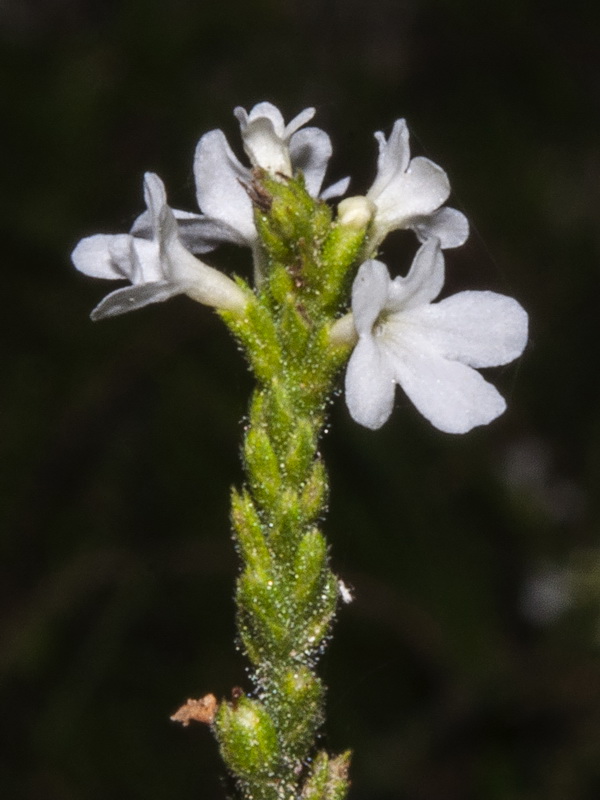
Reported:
(121, 438)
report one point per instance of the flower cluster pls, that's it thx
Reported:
(400, 336)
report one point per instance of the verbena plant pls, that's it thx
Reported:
(319, 300)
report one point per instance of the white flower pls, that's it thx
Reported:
(267, 138)
(270, 145)
(158, 266)
(429, 349)
(410, 193)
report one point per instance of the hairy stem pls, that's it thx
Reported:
(286, 592)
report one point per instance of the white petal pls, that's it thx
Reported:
(199, 233)
(422, 284)
(370, 385)
(142, 225)
(93, 255)
(394, 156)
(336, 189)
(310, 151)
(481, 329)
(164, 224)
(241, 115)
(154, 195)
(270, 112)
(369, 295)
(133, 297)
(202, 234)
(265, 148)
(266, 137)
(120, 256)
(187, 274)
(452, 396)
(148, 263)
(219, 191)
(419, 191)
(448, 225)
(182, 268)
(298, 121)
(160, 215)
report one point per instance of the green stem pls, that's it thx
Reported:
(286, 592)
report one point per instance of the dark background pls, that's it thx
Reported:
(121, 438)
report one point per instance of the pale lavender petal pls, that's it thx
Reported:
(203, 234)
(199, 233)
(336, 189)
(369, 295)
(481, 329)
(241, 115)
(163, 221)
(310, 151)
(142, 225)
(133, 297)
(447, 224)
(451, 395)
(94, 255)
(422, 284)
(219, 178)
(155, 196)
(369, 384)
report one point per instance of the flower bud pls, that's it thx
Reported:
(328, 778)
(247, 738)
(355, 212)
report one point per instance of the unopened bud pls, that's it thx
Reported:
(343, 332)
(328, 778)
(355, 212)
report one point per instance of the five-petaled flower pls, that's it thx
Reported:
(410, 193)
(429, 349)
(155, 261)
